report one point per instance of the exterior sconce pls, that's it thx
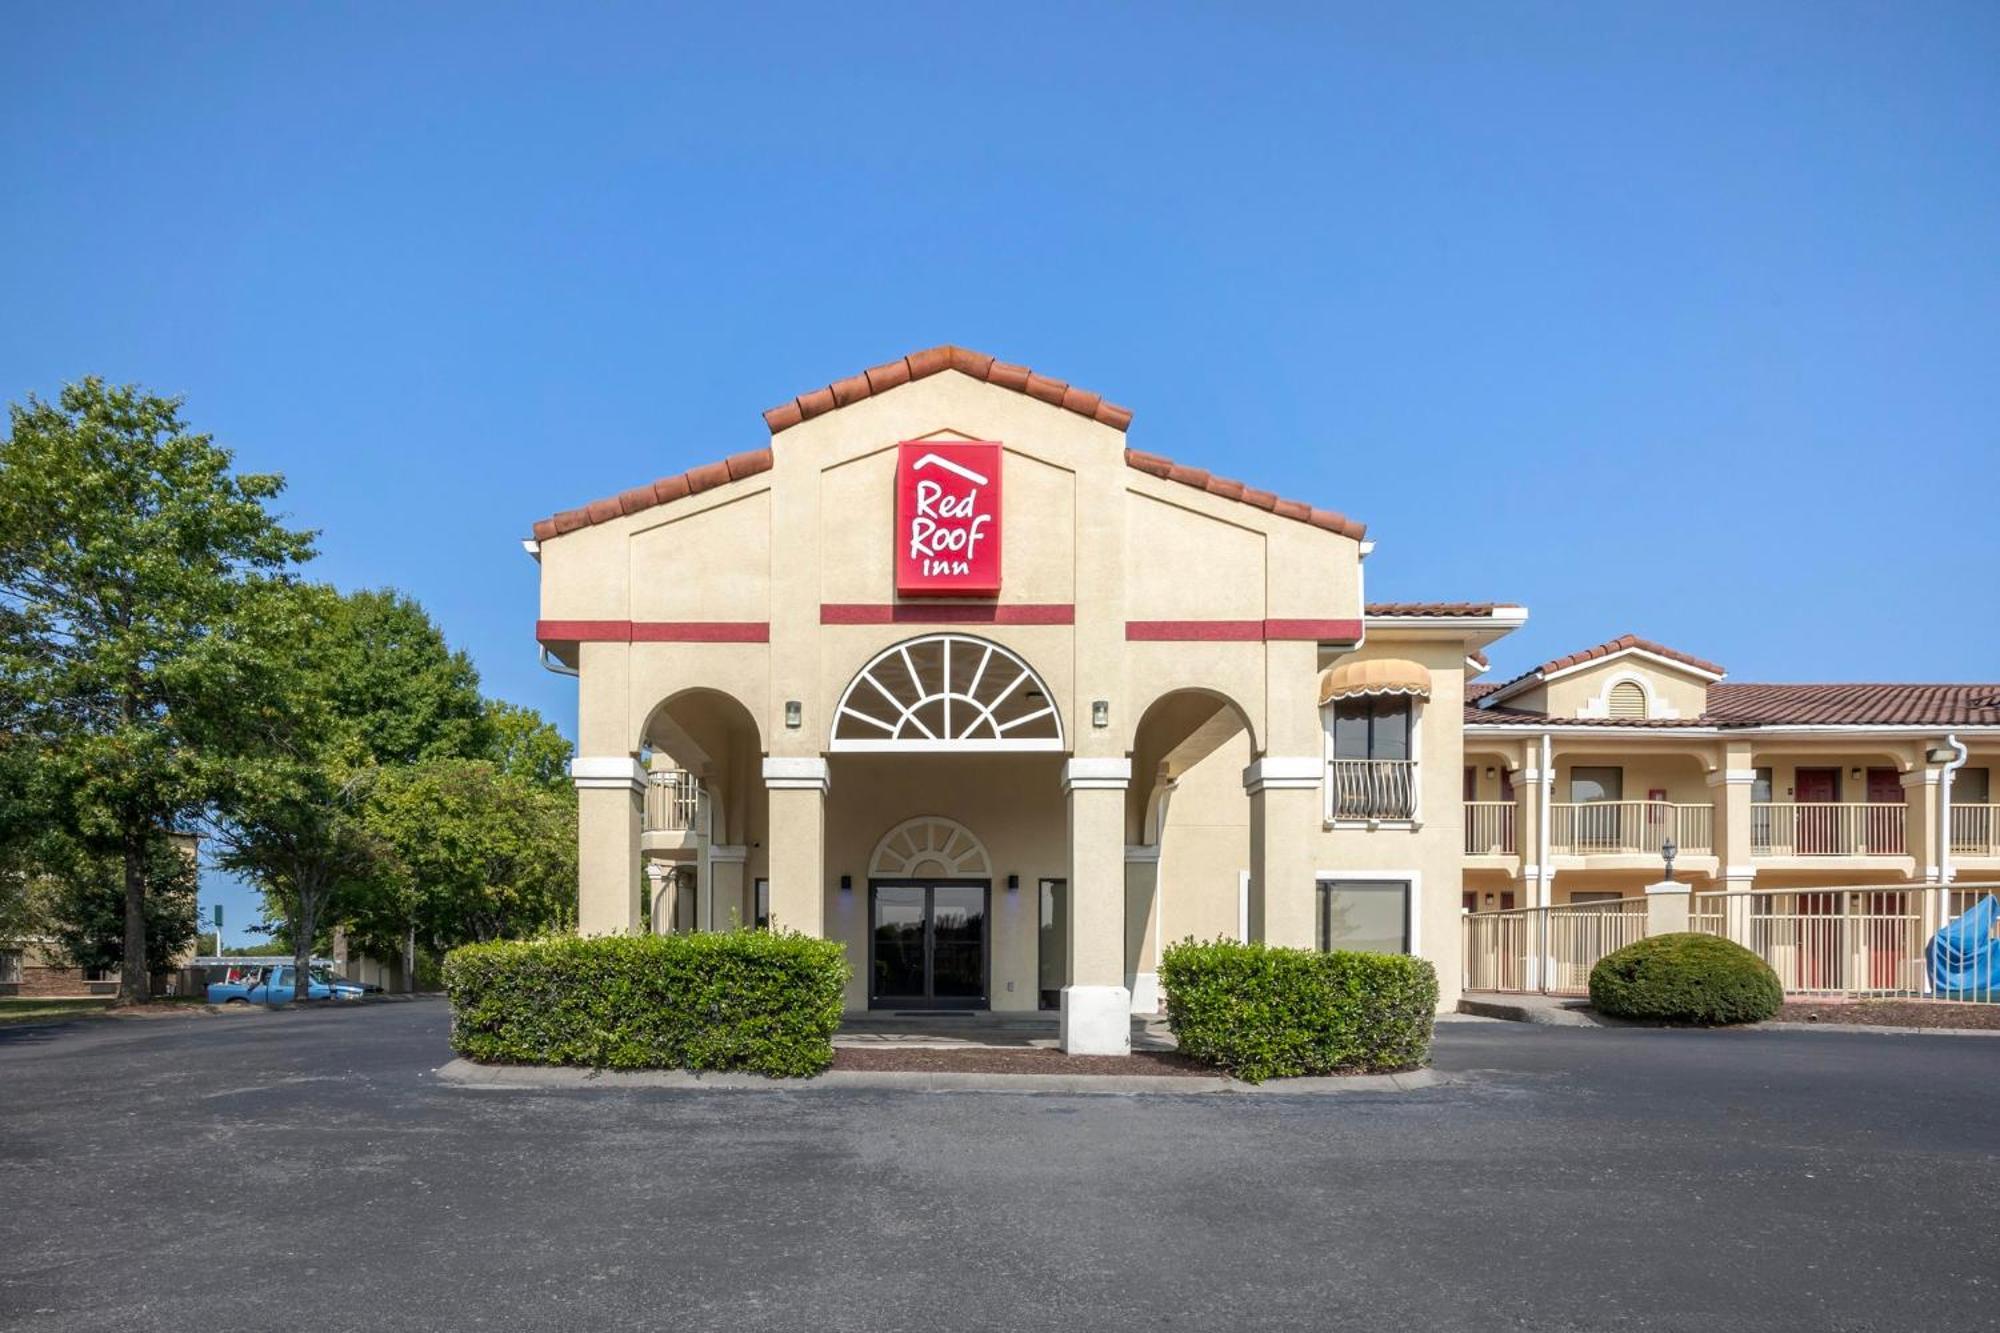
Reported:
(1854, 773)
(1491, 772)
(1013, 883)
(794, 714)
(1939, 754)
(847, 883)
(1100, 712)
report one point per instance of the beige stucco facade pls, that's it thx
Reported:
(1178, 625)
(1165, 760)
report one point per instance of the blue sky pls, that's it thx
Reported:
(1548, 294)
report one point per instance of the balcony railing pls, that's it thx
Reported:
(674, 802)
(1613, 828)
(1489, 828)
(1373, 788)
(1829, 828)
(1975, 830)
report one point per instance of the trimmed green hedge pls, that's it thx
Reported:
(1685, 978)
(756, 1000)
(1261, 1012)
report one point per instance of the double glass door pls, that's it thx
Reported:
(927, 944)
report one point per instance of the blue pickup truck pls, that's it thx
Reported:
(276, 985)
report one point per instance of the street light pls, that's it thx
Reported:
(1667, 853)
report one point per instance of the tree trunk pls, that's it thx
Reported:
(302, 948)
(135, 986)
(410, 959)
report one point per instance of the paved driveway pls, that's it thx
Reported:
(1571, 1179)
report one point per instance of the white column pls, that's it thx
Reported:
(798, 790)
(1096, 1007)
(610, 797)
(1286, 806)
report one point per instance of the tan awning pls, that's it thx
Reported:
(1375, 675)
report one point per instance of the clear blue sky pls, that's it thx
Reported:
(1549, 295)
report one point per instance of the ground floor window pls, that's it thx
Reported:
(1052, 948)
(10, 967)
(1365, 916)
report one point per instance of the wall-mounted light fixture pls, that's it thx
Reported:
(1940, 754)
(847, 883)
(1854, 773)
(1013, 883)
(795, 714)
(1491, 772)
(1100, 712)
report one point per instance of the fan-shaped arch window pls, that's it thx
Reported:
(930, 845)
(946, 692)
(1628, 700)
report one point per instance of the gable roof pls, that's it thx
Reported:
(916, 366)
(932, 360)
(1624, 643)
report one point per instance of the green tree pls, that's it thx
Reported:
(390, 675)
(525, 746)
(126, 544)
(86, 904)
(477, 854)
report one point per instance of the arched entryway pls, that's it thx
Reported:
(930, 913)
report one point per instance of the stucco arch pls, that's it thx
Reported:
(1175, 731)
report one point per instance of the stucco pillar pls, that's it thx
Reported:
(797, 790)
(1096, 1007)
(610, 795)
(1666, 908)
(1923, 808)
(1531, 796)
(1730, 788)
(1285, 811)
(1142, 927)
(720, 903)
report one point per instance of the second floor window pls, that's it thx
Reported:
(1372, 774)
(1371, 729)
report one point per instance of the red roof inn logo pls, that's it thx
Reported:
(948, 519)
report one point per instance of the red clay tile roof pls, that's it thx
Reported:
(1753, 705)
(1478, 659)
(917, 365)
(1202, 480)
(1851, 705)
(692, 482)
(1431, 608)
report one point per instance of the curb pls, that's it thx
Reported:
(1884, 1028)
(467, 1074)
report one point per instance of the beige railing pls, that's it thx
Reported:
(1828, 828)
(1550, 949)
(1489, 828)
(1600, 828)
(1975, 830)
(674, 802)
(1864, 940)
(1373, 788)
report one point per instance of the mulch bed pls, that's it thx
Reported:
(1024, 1060)
(1893, 1013)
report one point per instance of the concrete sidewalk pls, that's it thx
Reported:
(977, 1029)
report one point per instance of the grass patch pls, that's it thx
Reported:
(35, 1008)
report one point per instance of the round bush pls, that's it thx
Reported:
(1685, 978)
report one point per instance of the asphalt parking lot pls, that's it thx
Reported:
(308, 1169)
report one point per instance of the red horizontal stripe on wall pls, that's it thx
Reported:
(945, 613)
(1320, 631)
(653, 631)
(1241, 631)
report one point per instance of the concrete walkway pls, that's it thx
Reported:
(978, 1030)
(1559, 1011)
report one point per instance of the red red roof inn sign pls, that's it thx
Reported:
(948, 519)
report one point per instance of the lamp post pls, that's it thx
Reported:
(1667, 853)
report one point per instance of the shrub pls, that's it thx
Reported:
(1685, 978)
(747, 999)
(1260, 1012)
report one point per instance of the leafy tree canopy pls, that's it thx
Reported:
(524, 746)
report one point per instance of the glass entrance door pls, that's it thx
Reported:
(927, 945)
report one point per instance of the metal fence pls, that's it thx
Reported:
(1861, 940)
